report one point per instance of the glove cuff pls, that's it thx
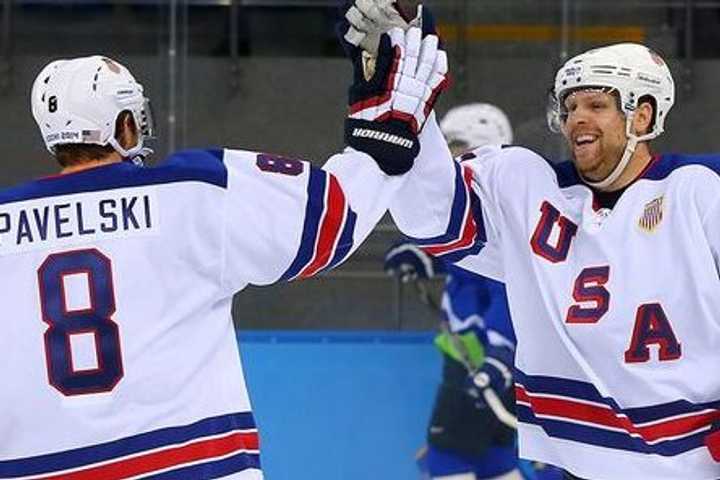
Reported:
(496, 371)
(392, 143)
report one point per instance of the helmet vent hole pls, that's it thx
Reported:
(42, 99)
(47, 79)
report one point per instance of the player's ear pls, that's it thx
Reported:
(126, 131)
(643, 120)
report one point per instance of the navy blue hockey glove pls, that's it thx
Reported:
(388, 108)
(408, 262)
(495, 373)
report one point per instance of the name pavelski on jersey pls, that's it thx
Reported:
(31, 224)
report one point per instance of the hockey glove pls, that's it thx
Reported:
(409, 263)
(388, 111)
(364, 21)
(495, 372)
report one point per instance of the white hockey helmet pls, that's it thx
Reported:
(632, 70)
(477, 124)
(78, 101)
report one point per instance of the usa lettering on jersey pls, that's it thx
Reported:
(614, 310)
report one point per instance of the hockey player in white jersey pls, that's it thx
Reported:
(119, 358)
(611, 264)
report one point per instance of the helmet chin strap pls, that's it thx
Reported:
(619, 168)
(136, 154)
(630, 146)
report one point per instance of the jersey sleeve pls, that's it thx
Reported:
(707, 201)
(450, 207)
(286, 219)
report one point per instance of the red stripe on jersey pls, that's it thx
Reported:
(330, 228)
(521, 395)
(469, 231)
(604, 416)
(168, 458)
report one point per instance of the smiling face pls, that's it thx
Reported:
(594, 128)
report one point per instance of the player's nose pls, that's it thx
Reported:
(578, 117)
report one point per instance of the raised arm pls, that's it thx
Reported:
(287, 219)
(302, 220)
(437, 207)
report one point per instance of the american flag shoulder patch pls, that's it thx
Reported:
(652, 215)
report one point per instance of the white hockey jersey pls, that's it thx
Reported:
(616, 311)
(119, 358)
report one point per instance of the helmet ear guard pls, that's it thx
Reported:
(78, 101)
(553, 115)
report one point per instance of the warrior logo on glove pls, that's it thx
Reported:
(388, 111)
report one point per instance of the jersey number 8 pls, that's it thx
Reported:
(93, 319)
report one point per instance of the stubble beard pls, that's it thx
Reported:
(597, 165)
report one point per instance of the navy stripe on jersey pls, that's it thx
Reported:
(466, 233)
(481, 236)
(346, 241)
(607, 438)
(667, 164)
(575, 410)
(587, 391)
(660, 168)
(215, 469)
(328, 229)
(187, 166)
(134, 445)
(457, 213)
(313, 213)
(566, 173)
